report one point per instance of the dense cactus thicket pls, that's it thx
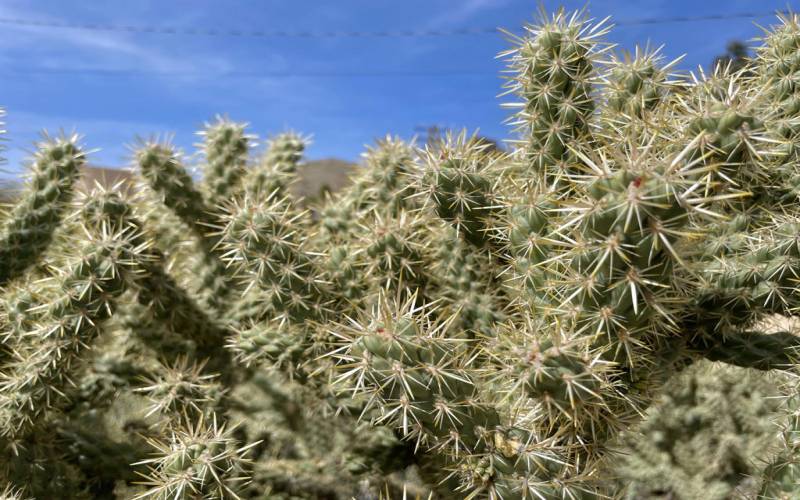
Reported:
(461, 321)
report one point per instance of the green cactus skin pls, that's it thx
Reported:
(554, 70)
(29, 229)
(168, 304)
(277, 264)
(278, 168)
(226, 147)
(161, 167)
(420, 381)
(198, 460)
(637, 83)
(70, 322)
(461, 188)
(753, 350)
(464, 280)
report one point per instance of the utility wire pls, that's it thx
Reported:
(307, 34)
(166, 30)
(247, 74)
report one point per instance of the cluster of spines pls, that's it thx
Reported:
(164, 174)
(554, 71)
(29, 228)
(277, 170)
(199, 459)
(635, 87)
(226, 147)
(42, 357)
(458, 181)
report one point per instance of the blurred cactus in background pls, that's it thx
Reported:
(550, 322)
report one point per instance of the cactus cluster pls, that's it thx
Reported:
(460, 321)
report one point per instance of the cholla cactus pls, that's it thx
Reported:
(199, 460)
(460, 321)
(29, 229)
(707, 437)
(278, 168)
(226, 149)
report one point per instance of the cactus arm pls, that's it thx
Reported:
(278, 168)
(43, 357)
(420, 382)
(226, 147)
(29, 229)
(458, 180)
(198, 459)
(170, 305)
(262, 239)
(760, 351)
(161, 167)
(553, 68)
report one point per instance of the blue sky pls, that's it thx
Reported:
(113, 85)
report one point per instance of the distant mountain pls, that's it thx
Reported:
(106, 177)
(314, 178)
(317, 176)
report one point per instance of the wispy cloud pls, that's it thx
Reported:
(101, 50)
(115, 135)
(464, 11)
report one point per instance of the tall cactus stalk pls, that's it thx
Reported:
(29, 229)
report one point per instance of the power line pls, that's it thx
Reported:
(248, 74)
(250, 33)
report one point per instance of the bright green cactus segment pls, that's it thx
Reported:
(29, 229)
(553, 66)
(278, 168)
(226, 147)
(200, 459)
(460, 186)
